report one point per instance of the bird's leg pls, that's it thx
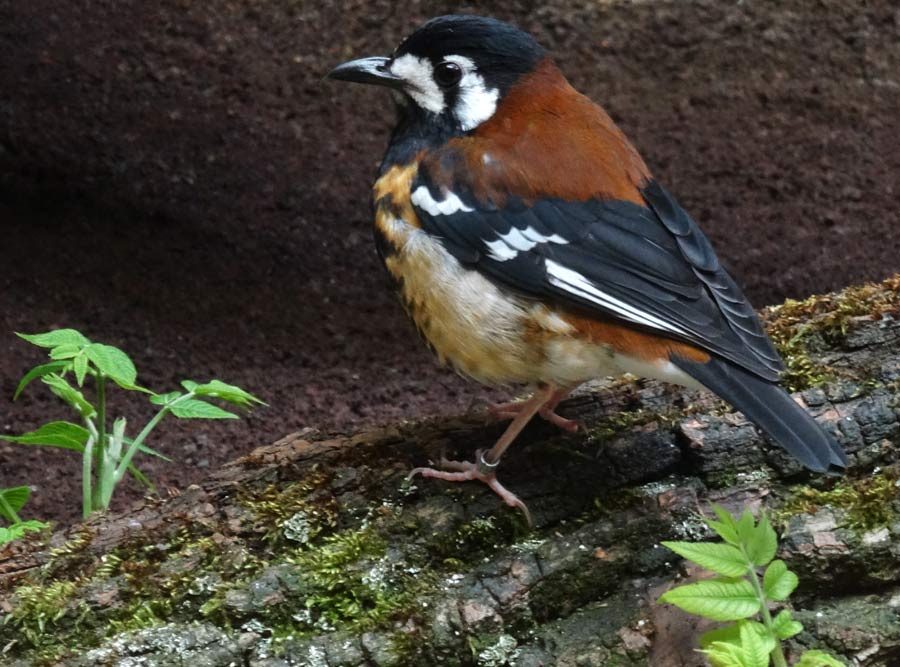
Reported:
(484, 468)
(547, 411)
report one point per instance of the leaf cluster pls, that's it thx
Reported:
(106, 450)
(11, 503)
(737, 594)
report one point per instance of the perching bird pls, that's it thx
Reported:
(531, 244)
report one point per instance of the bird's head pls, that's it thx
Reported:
(453, 70)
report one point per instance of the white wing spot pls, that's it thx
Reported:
(509, 245)
(451, 204)
(536, 236)
(500, 251)
(577, 284)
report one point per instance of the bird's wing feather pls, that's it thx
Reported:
(648, 265)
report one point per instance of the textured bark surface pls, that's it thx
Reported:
(315, 551)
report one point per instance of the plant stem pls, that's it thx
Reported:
(102, 443)
(139, 440)
(87, 461)
(7, 508)
(777, 653)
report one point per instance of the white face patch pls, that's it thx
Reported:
(419, 75)
(475, 102)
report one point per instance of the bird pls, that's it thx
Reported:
(530, 244)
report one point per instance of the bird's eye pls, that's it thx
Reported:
(447, 74)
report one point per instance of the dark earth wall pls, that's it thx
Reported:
(177, 179)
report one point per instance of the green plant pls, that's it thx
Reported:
(106, 451)
(11, 502)
(740, 594)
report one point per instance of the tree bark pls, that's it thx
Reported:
(315, 550)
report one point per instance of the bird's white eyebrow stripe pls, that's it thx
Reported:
(575, 283)
(451, 204)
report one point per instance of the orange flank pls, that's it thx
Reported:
(392, 197)
(633, 343)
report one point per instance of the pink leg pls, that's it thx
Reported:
(469, 471)
(547, 411)
(484, 468)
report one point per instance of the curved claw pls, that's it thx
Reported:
(569, 425)
(477, 471)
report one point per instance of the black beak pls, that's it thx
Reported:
(367, 70)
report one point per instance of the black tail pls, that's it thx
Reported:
(771, 408)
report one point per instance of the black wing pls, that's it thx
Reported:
(649, 265)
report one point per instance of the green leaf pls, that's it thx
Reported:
(784, 626)
(223, 391)
(69, 394)
(722, 654)
(165, 399)
(67, 351)
(715, 599)
(745, 527)
(113, 363)
(760, 541)
(16, 530)
(80, 365)
(56, 338)
(147, 450)
(725, 527)
(778, 581)
(818, 659)
(756, 650)
(720, 558)
(31, 524)
(729, 634)
(746, 644)
(193, 409)
(15, 497)
(65, 435)
(39, 371)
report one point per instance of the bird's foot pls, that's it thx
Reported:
(510, 410)
(471, 471)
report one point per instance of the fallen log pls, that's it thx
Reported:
(316, 550)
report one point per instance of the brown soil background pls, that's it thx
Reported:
(176, 179)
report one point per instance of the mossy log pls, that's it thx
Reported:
(316, 551)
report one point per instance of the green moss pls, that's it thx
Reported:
(869, 502)
(454, 551)
(613, 503)
(277, 506)
(138, 615)
(794, 326)
(72, 555)
(349, 582)
(37, 608)
(614, 425)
